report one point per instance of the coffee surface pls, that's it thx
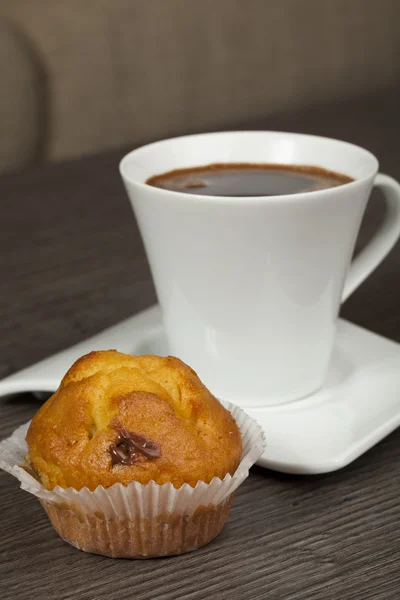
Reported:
(245, 179)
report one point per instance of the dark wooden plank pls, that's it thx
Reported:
(72, 263)
(288, 537)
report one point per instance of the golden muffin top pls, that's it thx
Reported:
(122, 418)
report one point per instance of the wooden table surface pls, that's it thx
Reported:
(72, 263)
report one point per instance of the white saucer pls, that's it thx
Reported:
(358, 406)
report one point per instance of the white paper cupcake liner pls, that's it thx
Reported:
(138, 520)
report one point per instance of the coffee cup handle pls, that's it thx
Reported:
(382, 242)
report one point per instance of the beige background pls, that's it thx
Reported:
(81, 77)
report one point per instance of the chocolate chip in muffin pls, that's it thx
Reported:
(130, 447)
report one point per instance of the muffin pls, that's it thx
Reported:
(118, 418)
(134, 457)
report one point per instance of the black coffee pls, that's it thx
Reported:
(243, 179)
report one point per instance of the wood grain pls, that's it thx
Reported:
(72, 263)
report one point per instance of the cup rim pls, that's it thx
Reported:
(352, 185)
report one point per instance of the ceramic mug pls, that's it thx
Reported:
(250, 287)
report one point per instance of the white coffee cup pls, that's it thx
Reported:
(250, 287)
